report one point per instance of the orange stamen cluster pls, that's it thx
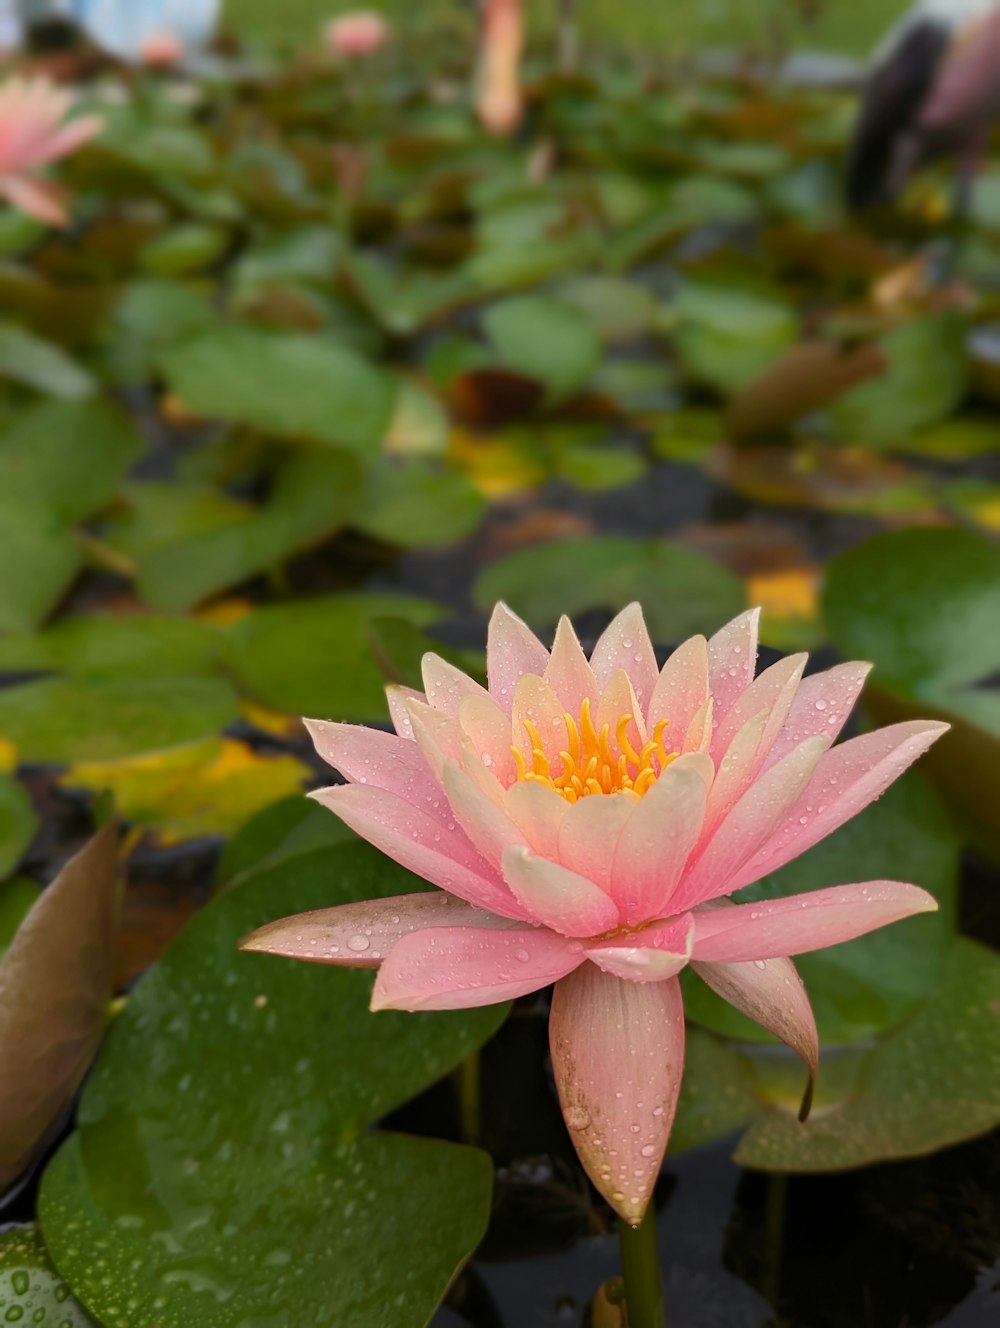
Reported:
(589, 766)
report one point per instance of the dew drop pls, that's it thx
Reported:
(650, 1149)
(358, 943)
(821, 704)
(578, 1118)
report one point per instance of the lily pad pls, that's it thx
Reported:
(727, 337)
(222, 1167)
(39, 558)
(34, 362)
(419, 506)
(18, 823)
(285, 384)
(682, 592)
(16, 896)
(31, 1291)
(545, 339)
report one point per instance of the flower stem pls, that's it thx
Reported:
(641, 1272)
(469, 1098)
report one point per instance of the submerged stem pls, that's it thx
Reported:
(641, 1272)
(469, 1098)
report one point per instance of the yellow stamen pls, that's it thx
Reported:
(588, 765)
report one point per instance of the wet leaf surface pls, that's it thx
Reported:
(31, 1291)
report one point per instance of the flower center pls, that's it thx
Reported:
(589, 765)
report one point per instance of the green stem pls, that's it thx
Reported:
(775, 1208)
(641, 1272)
(469, 1098)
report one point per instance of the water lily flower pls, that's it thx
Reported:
(586, 822)
(127, 27)
(34, 133)
(498, 98)
(161, 50)
(362, 32)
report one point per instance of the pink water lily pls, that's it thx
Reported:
(362, 32)
(586, 821)
(34, 133)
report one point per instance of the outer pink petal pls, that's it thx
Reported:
(773, 995)
(447, 687)
(658, 838)
(749, 825)
(847, 779)
(625, 644)
(772, 691)
(822, 704)
(383, 760)
(732, 654)
(454, 968)
(40, 199)
(487, 727)
(770, 928)
(70, 137)
(486, 824)
(539, 811)
(418, 842)
(361, 935)
(590, 832)
(568, 673)
(437, 735)
(398, 698)
(512, 650)
(618, 1057)
(680, 692)
(557, 897)
(650, 955)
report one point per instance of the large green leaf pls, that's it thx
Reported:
(55, 985)
(681, 592)
(18, 823)
(861, 989)
(98, 718)
(544, 339)
(314, 657)
(221, 1170)
(286, 384)
(31, 1291)
(925, 379)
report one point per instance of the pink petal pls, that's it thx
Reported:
(617, 700)
(361, 935)
(557, 897)
(736, 770)
(822, 704)
(625, 644)
(658, 838)
(649, 955)
(486, 824)
(770, 928)
(699, 732)
(383, 760)
(590, 832)
(568, 673)
(772, 691)
(749, 825)
(437, 735)
(680, 692)
(67, 139)
(512, 650)
(419, 843)
(538, 811)
(456, 968)
(732, 654)
(618, 1057)
(40, 199)
(487, 727)
(772, 994)
(447, 687)
(536, 702)
(847, 779)
(398, 699)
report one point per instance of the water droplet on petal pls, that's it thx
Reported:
(358, 943)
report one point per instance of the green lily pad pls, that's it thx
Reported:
(419, 506)
(221, 1165)
(620, 310)
(95, 718)
(546, 340)
(16, 896)
(313, 657)
(34, 362)
(18, 823)
(31, 1291)
(925, 606)
(865, 987)
(287, 829)
(932, 1083)
(926, 378)
(184, 249)
(282, 383)
(152, 315)
(135, 643)
(727, 337)
(39, 558)
(681, 592)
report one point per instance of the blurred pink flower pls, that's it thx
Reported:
(586, 821)
(161, 50)
(362, 32)
(498, 98)
(33, 134)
